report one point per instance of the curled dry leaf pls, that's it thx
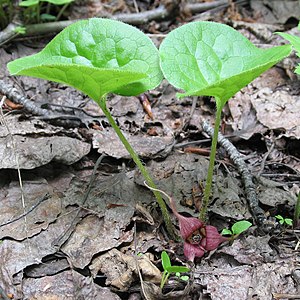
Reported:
(120, 269)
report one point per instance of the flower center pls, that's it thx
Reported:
(195, 238)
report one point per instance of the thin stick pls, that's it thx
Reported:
(157, 14)
(157, 190)
(58, 242)
(250, 189)
(45, 197)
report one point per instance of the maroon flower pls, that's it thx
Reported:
(198, 237)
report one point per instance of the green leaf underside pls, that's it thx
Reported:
(207, 58)
(175, 269)
(92, 81)
(96, 47)
(295, 41)
(165, 260)
(240, 227)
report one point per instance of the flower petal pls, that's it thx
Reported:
(187, 225)
(191, 251)
(213, 238)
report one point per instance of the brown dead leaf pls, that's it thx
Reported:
(93, 235)
(38, 219)
(145, 146)
(120, 269)
(37, 143)
(15, 256)
(278, 110)
(67, 285)
(275, 12)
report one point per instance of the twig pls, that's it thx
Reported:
(157, 14)
(263, 162)
(285, 296)
(188, 119)
(9, 33)
(235, 156)
(14, 95)
(57, 118)
(58, 242)
(196, 8)
(45, 197)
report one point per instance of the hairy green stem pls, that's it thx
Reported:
(210, 173)
(297, 211)
(61, 11)
(141, 167)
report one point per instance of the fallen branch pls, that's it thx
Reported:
(249, 186)
(163, 12)
(9, 33)
(58, 118)
(44, 198)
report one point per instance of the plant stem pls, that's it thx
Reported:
(297, 212)
(208, 185)
(161, 203)
(38, 11)
(61, 11)
(164, 279)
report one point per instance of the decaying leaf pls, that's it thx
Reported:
(120, 269)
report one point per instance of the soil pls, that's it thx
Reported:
(73, 226)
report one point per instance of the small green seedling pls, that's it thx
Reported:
(182, 277)
(34, 8)
(169, 269)
(20, 30)
(236, 229)
(284, 221)
(211, 59)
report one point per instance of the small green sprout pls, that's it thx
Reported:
(284, 221)
(184, 277)
(33, 9)
(20, 30)
(169, 269)
(236, 229)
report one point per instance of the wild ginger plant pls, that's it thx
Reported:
(212, 59)
(101, 56)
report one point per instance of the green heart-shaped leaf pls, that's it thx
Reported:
(207, 58)
(96, 56)
(240, 227)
